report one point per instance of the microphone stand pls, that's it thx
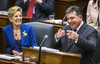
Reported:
(62, 21)
(39, 54)
(64, 18)
(40, 50)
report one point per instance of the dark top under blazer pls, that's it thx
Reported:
(26, 41)
(42, 11)
(85, 45)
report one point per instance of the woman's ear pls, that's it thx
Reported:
(10, 19)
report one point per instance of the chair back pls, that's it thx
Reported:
(97, 52)
(4, 5)
(42, 29)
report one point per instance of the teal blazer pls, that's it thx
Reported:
(26, 40)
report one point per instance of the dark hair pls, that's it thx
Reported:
(94, 1)
(74, 8)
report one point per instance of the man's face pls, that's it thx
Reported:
(74, 20)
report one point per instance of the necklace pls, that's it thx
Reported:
(15, 32)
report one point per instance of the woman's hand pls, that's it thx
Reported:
(16, 53)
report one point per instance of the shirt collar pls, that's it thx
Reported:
(79, 27)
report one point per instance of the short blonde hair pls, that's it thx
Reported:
(12, 10)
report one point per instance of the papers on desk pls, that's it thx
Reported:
(10, 57)
(57, 21)
(4, 12)
(46, 49)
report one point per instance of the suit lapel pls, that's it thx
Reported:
(80, 31)
(68, 41)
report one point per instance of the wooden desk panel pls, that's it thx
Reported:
(53, 57)
(5, 61)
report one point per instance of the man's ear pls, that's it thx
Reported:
(80, 16)
(10, 19)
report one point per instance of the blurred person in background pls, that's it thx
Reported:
(93, 13)
(41, 10)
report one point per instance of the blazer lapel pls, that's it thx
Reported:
(22, 37)
(10, 32)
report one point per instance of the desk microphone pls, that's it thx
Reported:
(64, 18)
(45, 37)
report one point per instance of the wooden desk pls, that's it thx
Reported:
(56, 26)
(4, 21)
(53, 57)
(5, 61)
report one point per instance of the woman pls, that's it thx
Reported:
(18, 35)
(92, 13)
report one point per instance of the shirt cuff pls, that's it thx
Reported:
(76, 40)
(57, 39)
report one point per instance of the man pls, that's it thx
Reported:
(41, 10)
(83, 41)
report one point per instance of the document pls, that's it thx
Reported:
(47, 49)
(4, 12)
(10, 57)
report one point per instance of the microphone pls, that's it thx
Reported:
(64, 18)
(45, 37)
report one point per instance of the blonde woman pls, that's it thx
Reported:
(18, 35)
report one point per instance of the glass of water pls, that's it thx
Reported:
(33, 59)
(26, 57)
(51, 18)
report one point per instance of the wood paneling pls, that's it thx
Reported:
(12, 2)
(62, 5)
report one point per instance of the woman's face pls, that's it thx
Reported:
(16, 19)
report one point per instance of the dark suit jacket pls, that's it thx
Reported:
(26, 41)
(85, 45)
(42, 11)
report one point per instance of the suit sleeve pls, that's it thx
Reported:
(56, 44)
(89, 43)
(47, 7)
(21, 4)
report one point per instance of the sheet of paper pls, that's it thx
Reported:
(9, 57)
(47, 49)
(4, 12)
